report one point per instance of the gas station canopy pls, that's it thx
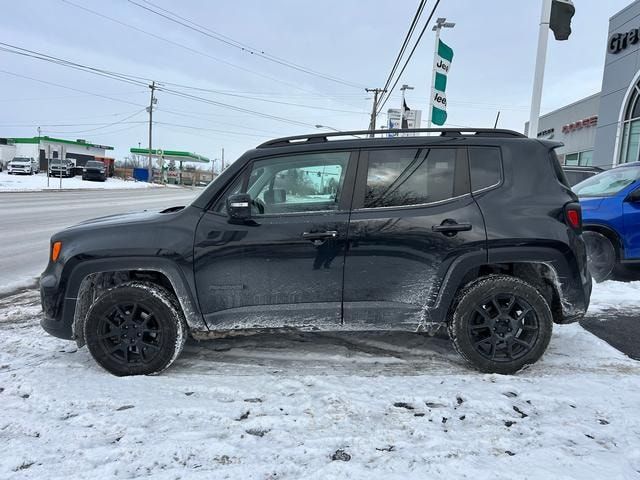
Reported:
(171, 155)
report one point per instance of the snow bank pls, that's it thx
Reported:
(24, 183)
(613, 295)
(24, 283)
(386, 405)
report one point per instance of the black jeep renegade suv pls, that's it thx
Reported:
(475, 230)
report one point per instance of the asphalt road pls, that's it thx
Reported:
(28, 219)
(620, 329)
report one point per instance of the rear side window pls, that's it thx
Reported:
(486, 167)
(410, 176)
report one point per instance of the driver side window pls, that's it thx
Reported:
(297, 183)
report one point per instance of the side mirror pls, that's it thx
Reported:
(239, 207)
(634, 196)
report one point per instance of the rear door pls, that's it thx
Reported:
(413, 215)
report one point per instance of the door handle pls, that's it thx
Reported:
(318, 237)
(450, 227)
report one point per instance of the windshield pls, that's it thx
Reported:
(95, 164)
(21, 160)
(56, 161)
(607, 183)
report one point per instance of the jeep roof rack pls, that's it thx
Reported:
(444, 132)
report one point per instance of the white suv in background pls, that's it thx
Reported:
(25, 165)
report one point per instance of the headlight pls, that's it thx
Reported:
(84, 170)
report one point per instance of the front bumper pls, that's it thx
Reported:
(93, 176)
(58, 312)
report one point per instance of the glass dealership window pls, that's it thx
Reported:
(579, 158)
(631, 129)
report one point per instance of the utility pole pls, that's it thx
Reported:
(374, 110)
(152, 102)
(222, 167)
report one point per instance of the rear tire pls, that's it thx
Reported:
(601, 256)
(500, 324)
(135, 328)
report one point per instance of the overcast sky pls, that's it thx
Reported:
(355, 42)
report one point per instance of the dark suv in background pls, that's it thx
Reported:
(94, 170)
(476, 231)
(576, 174)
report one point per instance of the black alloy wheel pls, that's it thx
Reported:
(129, 333)
(135, 328)
(503, 328)
(500, 324)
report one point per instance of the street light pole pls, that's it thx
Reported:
(335, 130)
(402, 89)
(538, 76)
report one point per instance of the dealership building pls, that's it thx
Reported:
(604, 129)
(45, 148)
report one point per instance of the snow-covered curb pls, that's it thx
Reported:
(24, 283)
(28, 183)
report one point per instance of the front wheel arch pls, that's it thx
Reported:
(89, 277)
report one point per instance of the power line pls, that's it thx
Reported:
(233, 107)
(279, 102)
(424, 28)
(131, 79)
(121, 121)
(69, 88)
(211, 130)
(407, 39)
(185, 47)
(65, 97)
(174, 17)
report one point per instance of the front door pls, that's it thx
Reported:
(284, 267)
(412, 216)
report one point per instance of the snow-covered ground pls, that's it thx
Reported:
(24, 183)
(392, 406)
(615, 296)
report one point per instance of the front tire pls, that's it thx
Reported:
(500, 324)
(135, 328)
(601, 256)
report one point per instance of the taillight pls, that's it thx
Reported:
(573, 215)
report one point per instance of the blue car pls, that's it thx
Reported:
(611, 219)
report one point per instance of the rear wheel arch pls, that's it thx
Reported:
(539, 273)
